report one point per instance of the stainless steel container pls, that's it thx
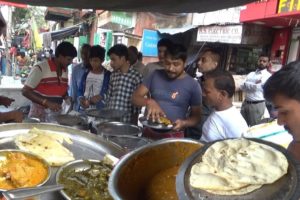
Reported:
(131, 175)
(117, 129)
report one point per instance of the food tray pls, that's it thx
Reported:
(154, 125)
(85, 146)
(284, 188)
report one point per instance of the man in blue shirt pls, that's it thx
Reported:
(77, 74)
(172, 92)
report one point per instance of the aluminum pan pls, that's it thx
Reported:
(85, 145)
(284, 188)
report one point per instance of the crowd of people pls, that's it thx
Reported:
(198, 108)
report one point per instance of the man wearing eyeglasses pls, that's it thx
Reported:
(254, 105)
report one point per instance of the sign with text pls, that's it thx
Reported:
(225, 34)
(149, 42)
(288, 6)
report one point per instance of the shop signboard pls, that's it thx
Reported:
(149, 42)
(231, 34)
(122, 18)
(285, 6)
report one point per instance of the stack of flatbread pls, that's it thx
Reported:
(48, 145)
(237, 166)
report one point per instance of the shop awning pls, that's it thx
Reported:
(173, 31)
(163, 6)
(63, 33)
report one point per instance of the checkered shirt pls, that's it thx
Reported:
(121, 88)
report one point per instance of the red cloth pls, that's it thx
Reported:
(154, 135)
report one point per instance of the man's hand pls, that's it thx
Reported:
(17, 116)
(95, 99)
(154, 112)
(53, 106)
(6, 101)
(179, 125)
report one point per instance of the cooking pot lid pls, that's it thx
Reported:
(284, 188)
(117, 128)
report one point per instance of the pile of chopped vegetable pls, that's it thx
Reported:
(89, 184)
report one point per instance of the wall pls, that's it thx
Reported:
(280, 44)
(259, 10)
(294, 46)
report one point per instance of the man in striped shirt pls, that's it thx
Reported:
(47, 83)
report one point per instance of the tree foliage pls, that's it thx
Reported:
(21, 18)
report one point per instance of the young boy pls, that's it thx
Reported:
(94, 83)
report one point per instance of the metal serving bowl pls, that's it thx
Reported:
(4, 152)
(131, 175)
(77, 165)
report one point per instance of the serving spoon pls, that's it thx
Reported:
(22, 193)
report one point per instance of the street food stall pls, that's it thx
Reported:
(76, 164)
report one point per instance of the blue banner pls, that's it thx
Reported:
(149, 42)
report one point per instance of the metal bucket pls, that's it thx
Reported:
(131, 176)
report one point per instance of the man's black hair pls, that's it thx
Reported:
(132, 54)
(85, 45)
(120, 50)
(97, 52)
(164, 42)
(177, 51)
(215, 52)
(285, 82)
(140, 56)
(65, 49)
(223, 80)
(264, 54)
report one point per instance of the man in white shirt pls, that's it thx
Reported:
(254, 105)
(225, 121)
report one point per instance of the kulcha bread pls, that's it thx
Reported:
(47, 145)
(238, 166)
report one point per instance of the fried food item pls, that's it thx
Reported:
(47, 145)
(19, 170)
(165, 121)
(238, 166)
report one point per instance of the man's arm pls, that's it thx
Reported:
(192, 120)
(154, 111)
(14, 116)
(36, 98)
(138, 96)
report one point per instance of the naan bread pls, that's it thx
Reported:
(47, 145)
(240, 191)
(205, 177)
(237, 166)
(246, 161)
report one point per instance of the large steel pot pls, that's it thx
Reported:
(131, 175)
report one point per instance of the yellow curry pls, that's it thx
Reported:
(20, 170)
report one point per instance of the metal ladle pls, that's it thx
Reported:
(22, 193)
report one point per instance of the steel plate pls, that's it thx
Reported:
(117, 129)
(85, 146)
(283, 189)
(154, 125)
(70, 120)
(106, 113)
